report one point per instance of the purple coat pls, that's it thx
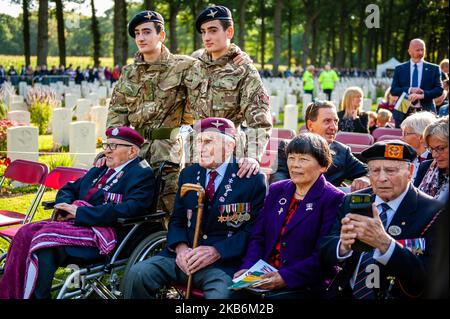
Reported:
(300, 242)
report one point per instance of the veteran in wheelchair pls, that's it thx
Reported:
(203, 250)
(93, 218)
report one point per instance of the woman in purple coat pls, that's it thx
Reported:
(297, 213)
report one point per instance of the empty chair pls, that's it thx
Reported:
(357, 148)
(386, 131)
(26, 172)
(354, 138)
(283, 133)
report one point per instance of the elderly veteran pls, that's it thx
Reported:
(432, 176)
(382, 249)
(87, 211)
(297, 213)
(230, 209)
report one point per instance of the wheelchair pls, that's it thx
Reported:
(145, 238)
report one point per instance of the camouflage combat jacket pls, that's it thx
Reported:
(150, 96)
(221, 89)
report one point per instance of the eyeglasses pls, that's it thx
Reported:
(438, 149)
(407, 134)
(113, 146)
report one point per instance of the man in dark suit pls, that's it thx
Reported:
(421, 80)
(394, 234)
(89, 208)
(231, 207)
(321, 118)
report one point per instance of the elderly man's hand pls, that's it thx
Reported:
(239, 272)
(416, 91)
(271, 281)
(360, 183)
(347, 236)
(370, 230)
(71, 209)
(242, 58)
(200, 257)
(182, 250)
(247, 166)
(100, 160)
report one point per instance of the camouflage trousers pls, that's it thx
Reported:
(170, 176)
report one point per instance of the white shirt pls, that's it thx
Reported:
(419, 71)
(220, 173)
(381, 258)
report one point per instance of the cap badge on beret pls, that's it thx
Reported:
(115, 132)
(217, 123)
(212, 13)
(149, 15)
(393, 151)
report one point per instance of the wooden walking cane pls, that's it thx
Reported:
(185, 188)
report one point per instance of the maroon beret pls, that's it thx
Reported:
(125, 133)
(217, 124)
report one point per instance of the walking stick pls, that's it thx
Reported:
(185, 188)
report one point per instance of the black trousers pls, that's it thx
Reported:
(49, 260)
(328, 93)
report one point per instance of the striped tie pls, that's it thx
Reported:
(360, 290)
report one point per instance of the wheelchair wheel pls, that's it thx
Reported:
(147, 248)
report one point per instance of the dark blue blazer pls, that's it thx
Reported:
(300, 242)
(136, 185)
(431, 83)
(421, 171)
(229, 238)
(414, 215)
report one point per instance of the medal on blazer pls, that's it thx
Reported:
(415, 245)
(189, 216)
(113, 182)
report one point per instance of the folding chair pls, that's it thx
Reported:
(354, 138)
(26, 172)
(283, 133)
(357, 148)
(388, 137)
(380, 131)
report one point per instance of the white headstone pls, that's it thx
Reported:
(23, 88)
(322, 96)
(107, 101)
(367, 104)
(307, 98)
(98, 116)
(83, 109)
(71, 100)
(22, 117)
(23, 139)
(18, 106)
(94, 98)
(292, 99)
(275, 106)
(62, 117)
(290, 117)
(102, 92)
(82, 141)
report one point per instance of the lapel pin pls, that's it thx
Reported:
(282, 201)
(280, 211)
(309, 206)
(394, 230)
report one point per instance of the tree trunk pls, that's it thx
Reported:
(196, 38)
(351, 62)
(120, 33)
(262, 14)
(26, 32)
(42, 38)
(342, 29)
(95, 36)
(305, 42)
(289, 39)
(360, 35)
(369, 38)
(60, 27)
(315, 42)
(174, 8)
(149, 5)
(241, 21)
(407, 28)
(277, 35)
(388, 35)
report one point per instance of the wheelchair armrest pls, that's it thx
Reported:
(49, 204)
(142, 219)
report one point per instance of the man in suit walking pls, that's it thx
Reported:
(383, 255)
(230, 209)
(421, 80)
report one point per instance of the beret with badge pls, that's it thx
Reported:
(143, 17)
(212, 13)
(389, 150)
(216, 124)
(125, 133)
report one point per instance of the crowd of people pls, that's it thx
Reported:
(377, 241)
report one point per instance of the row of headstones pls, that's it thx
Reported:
(22, 143)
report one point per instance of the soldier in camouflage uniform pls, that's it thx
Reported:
(151, 97)
(219, 88)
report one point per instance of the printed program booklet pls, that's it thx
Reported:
(251, 279)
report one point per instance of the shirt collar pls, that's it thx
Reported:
(222, 168)
(120, 167)
(419, 64)
(395, 203)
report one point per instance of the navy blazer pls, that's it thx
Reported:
(345, 165)
(312, 220)
(431, 83)
(413, 217)
(229, 238)
(421, 171)
(136, 185)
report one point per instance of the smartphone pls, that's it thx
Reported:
(361, 204)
